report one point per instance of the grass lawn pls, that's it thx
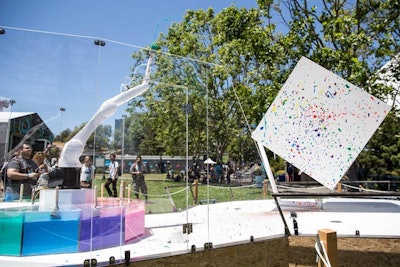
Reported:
(168, 196)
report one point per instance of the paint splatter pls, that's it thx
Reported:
(320, 122)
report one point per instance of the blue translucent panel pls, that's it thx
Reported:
(50, 232)
(11, 222)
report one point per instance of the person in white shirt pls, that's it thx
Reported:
(113, 177)
(87, 173)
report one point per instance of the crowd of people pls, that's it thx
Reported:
(137, 170)
(209, 173)
(34, 169)
(26, 168)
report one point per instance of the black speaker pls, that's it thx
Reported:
(70, 178)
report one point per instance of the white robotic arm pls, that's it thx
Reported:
(73, 149)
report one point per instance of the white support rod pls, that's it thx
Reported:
(267, 167)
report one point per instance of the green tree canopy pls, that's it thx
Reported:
(218, 73)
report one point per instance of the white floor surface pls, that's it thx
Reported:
(236, 222)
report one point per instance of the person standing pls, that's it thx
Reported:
(87, 173)
(138, 171)
(43, 170)
(229, 172)
(22, 170)
(4, 171)
(113, 176)
(290, 172)
(47, 158)
(38, 158)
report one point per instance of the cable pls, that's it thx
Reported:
(107, 40)
(303, 189)
(166, 195)
(364, 189)
(324, 258)
(233, 187)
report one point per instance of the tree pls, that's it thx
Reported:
(382, 153)
(101, 136)
(353, 39)
(231, 66)
(350, 38)
(62, 137)
(214, 90)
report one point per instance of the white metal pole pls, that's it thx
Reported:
(123, 145)
(11, 102)
(267, 167)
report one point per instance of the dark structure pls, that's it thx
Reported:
(17, 126)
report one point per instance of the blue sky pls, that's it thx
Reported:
(43, 71)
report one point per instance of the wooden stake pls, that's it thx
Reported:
(339, 187)
(265, 188)
(129, 193)
(195, 191)
(329, 239)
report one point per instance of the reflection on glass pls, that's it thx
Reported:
(70, 72)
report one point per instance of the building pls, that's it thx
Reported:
(17, 127)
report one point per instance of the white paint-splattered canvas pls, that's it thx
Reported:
(319, 122)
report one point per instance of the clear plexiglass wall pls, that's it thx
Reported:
(52, 84)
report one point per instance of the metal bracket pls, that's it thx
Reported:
(127, 257)
(208, 246)
(90, 262)
(187, 228)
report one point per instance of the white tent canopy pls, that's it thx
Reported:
(209, 161)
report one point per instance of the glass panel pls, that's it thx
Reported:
(66, 80)
(11, 229)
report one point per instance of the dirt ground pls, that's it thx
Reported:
(352, 251)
